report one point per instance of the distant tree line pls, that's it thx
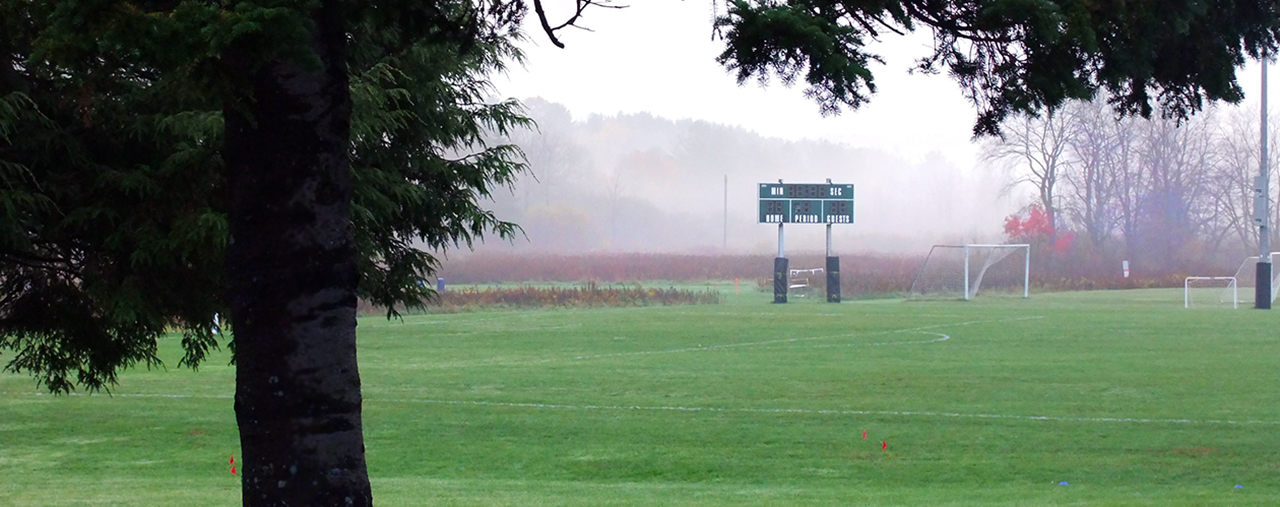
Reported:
(1165, 194)
(640, 183)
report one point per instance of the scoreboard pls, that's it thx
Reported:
(806, 203)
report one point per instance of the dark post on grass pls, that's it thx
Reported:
(780, 274)
(833, 275)
(805, 203)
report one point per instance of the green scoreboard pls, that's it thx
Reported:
(806, 203)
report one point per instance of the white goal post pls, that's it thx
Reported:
(1247, 277)
(1231, 291)
(952, 270)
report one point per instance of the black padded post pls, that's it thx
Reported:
(779, 279)
(833, 279)
(1262, 289)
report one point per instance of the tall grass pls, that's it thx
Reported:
(862, 275)
(589, 296)
(603, 268)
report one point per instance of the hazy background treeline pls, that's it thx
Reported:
(1172, 198)
(1167, 196)
(638, 183)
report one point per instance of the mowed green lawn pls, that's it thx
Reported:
(1125, 396)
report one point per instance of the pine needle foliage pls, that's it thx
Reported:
(1010, 56)
(113, 204)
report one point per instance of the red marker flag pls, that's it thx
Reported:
(232, 461)
(233, 469)
(884, 445)
(864, 434)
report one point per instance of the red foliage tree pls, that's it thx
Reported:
(1036, 225)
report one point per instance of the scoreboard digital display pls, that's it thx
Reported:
(806, 203)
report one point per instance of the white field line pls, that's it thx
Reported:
(796, 411)
(940, 338)
(784, 411)
(771, 342)
(810, 338)
(504, 329)
(805, 411)
(462, 319)
(468, 318)
(706, 348)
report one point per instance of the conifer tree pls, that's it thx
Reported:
(164, 161)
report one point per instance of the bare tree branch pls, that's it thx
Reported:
(580, 6)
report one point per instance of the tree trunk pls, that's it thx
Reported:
(292, 262)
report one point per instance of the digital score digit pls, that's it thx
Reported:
(774, 211)
(838, 212)
(806, 212)
(804, 191)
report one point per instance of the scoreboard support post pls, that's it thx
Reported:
(782, 251)
(833, 271)
(780, 271)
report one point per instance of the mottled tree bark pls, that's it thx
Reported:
(292, 262)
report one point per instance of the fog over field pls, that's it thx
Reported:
(637, 135)
(640, 183)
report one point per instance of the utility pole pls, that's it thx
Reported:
(1261, 207)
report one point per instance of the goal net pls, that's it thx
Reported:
(961, 271)
(1210, 292)
(1247, 281)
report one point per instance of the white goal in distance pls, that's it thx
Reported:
(1210, 291)
(804, 278)
(953, 271)
(1247, 280)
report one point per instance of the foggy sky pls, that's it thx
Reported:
(909, 152)
(658, 56)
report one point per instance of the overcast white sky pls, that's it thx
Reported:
(657, 56)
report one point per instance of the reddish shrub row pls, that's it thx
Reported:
(861, 275)
(590, 295)
(605, 268)
(622, 268)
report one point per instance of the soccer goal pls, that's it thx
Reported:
(954, 271)
(800, 280)
(1210, 292)
(1247, 280)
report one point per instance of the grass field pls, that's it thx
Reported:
(1125, 396)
